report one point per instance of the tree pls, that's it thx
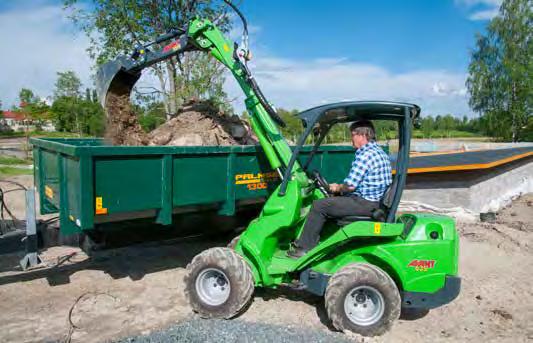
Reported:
(427, 125)
(500, 80)
(116, 26)
(33, 108)
(73, 113)
(27, 97)
(294, 127)
(83, 116)
(152, 115)
(68, 84)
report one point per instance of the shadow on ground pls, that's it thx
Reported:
(124, 249)
(133, 262)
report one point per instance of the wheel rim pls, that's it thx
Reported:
(364, 305)
(213, 287)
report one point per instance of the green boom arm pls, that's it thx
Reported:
(207, 37)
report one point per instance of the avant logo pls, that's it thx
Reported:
(422, 265)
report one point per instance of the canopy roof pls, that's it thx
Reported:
(348, 111)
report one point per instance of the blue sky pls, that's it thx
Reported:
(400, 35)
(305, 52)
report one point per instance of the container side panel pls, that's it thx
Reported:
(199, 179)
(45, 206)
(87, 203)
(66, 221)
(73, 180)
(50, 180)
(127, 184)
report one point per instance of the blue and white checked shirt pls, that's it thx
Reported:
(371, 172)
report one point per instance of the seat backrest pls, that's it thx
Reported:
(388, 196)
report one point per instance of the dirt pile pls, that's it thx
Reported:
(200, 123)
(197, 123)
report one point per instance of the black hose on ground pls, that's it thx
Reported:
(4, 210)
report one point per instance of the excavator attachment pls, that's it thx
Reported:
(116, 78)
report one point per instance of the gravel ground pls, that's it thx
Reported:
(220, 331)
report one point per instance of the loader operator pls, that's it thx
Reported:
(369, 177)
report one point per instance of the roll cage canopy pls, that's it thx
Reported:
(349, 111)
(325, 116)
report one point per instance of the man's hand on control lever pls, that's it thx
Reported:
(335, 188)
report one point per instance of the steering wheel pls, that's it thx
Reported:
(321, 183)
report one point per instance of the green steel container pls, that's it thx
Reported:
(89, 183)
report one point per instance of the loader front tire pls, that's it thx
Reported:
(219, 283)
(362, 298)
(233, 243)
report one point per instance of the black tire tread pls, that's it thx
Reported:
(344, 278)
(233, 243)
(237, 270)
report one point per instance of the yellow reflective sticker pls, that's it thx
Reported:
(101, 211)
(377, 228)
(226, 47)
(99, 206)
(49, 192)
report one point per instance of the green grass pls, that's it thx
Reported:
(11, 171)
(433, 134)
(43, 134)
(445, 134)
(10, 160)
(57, 135)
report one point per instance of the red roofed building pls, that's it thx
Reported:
(12, 121)
(17, 121)
(13, 116)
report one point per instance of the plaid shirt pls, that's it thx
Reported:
(371, 172)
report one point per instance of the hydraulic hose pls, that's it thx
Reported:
(260, 96)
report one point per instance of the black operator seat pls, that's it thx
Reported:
(378, 215)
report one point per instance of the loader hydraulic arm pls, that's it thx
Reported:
(208, 38)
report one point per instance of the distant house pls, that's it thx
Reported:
(17, 121)
(13, 121)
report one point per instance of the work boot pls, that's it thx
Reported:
(295, 251)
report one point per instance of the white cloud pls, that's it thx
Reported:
(37, 42)
(303, 84)
(480, 9)
(445, 89)
(484, 15)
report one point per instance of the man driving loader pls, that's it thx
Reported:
(360, 194)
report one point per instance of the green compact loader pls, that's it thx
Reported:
(367, 268)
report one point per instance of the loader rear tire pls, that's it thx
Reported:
(219, 283)
(362, 298)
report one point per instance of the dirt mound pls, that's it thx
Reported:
(197, 123)
(200, 123)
